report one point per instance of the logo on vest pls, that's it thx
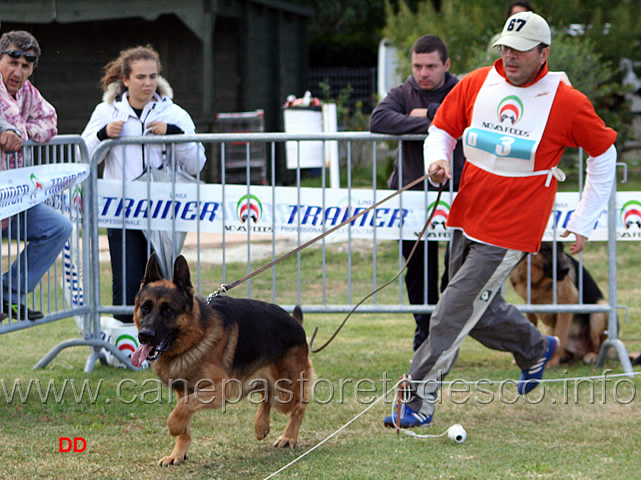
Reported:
(510, 109)
(485, 296)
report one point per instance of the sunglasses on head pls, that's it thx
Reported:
(16, 54)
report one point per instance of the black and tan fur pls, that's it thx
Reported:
(581, 334)
(228, 343)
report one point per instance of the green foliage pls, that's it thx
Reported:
(580, 61)
(350, 115)
(610, 26)
(340, 24)
(590, 60)
(463, 25)
(592, 75)
(345, 33)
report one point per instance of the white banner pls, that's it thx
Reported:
(22, 188)
(264, 210)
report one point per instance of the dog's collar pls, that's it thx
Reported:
(222, 290)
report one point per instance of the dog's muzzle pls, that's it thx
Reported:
(147, 351)
(158, 351)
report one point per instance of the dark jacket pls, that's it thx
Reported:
(391, 116)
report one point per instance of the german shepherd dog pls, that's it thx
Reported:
(581, 334)
(209, 353)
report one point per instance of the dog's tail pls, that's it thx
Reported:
(298, 314)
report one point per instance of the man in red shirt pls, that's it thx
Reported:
(515, 118)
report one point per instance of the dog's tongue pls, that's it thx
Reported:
(140, 355)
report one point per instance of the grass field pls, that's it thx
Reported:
(567, 429)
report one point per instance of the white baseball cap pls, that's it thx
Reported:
(523, 31)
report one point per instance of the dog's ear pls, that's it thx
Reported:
(562, 262)
(152, 273)
(547, 259)
(182, 276)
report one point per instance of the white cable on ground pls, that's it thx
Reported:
(333, 434)
(456, 432)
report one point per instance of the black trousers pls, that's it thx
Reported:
(415, 282)
(135, 263)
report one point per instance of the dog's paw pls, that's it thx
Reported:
(284, 442)
(590, 358)
(172, 460)
(261, 433)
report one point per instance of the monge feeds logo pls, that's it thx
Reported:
(249, 207)
(440, 214)
(510, 108)
(631, 214)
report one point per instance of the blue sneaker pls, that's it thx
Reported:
(530, 377)
(409, 418)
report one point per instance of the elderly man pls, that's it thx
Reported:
(32, 117)
(516, 118)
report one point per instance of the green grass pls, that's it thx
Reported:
(508, 438)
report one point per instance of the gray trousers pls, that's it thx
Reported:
(472, 304)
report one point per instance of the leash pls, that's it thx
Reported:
(224, 288)
(409, 257)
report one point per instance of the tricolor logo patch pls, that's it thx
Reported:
(249, 207)
(441, 212)
(127, 344)
(511, 109)
(36, 183)
(631, 214)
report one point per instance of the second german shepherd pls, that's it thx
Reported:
(209, 353)
(581, 334)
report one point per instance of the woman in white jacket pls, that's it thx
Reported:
(137, 101)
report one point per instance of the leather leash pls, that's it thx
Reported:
(224, 288)
(416, 244)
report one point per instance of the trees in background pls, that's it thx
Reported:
(589, 38)
(346, 33)
(611, 26)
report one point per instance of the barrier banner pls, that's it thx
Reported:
(22, 188)
(263, 210)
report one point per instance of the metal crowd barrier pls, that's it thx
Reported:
(59, 290)
(354, 151)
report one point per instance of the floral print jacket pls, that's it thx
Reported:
(30, 114)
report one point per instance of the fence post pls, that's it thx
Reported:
(613, 324)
